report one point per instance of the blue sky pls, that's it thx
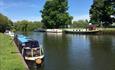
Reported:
(30, 9)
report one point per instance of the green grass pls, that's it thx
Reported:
(8, 59)
(107, 30)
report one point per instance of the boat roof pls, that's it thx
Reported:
(23, 38)
(28, 41)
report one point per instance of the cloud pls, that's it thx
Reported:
(34, 18)
(28, 18)
(75, 18)
(81, 17)
(4, 4)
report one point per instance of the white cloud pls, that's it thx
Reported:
(6, 5)
(34, 18)
(75, 18)
(28, 18)
(15, 4)
(82, 17)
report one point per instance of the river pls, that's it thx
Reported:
(76, 52)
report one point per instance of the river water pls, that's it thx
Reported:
(76, 52)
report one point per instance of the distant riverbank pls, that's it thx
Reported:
(9, 56)
(101, 30)
(106, 30)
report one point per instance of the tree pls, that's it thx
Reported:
(113, 9)
(101, 12)
(5, 23)
(95, 11)
(55, 15)
(106, 13)
(80, 24)
(25, 25)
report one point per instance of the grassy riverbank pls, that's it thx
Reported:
(9, 57)
(107, 30)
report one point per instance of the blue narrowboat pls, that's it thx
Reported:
(29, 48)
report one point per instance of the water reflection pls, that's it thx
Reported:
(79, 51)
(56, 51)
(101, 50)
(113, 42)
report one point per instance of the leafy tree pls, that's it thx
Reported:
(37, 24)
(80, 24)
(5, 23)
(25, 25)
(55, 15)
(101, 12)
(21, 25)
(95, 11)
(113, 9)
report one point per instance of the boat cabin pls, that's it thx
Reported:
(32, 44)
(29, 48)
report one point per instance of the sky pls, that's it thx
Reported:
(17, 10)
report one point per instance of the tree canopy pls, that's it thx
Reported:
(55, 15)
(101, 12)
(80, 24)
(25, 25)
(5, 23)
(113, 8)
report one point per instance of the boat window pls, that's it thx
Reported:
(32, 44)
(27, 52)
(36, 52)
(42, 51)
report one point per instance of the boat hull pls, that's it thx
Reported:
(83, 32)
